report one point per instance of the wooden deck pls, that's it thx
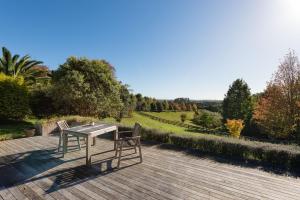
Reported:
(31, 168)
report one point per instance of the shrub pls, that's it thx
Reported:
(285, 157)
(207, 119)
(235, 127)
(41, 103)
(14, 98)
(183, 117)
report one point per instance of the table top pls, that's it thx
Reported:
(92, 130)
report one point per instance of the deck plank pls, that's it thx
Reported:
(31, 168)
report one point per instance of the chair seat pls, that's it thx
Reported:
(131, 142)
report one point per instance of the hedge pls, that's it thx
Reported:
(279, 156)
(14, 98)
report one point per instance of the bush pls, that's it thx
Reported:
(14, 98)
(183, 117)
(41, 103)
(235, 127)
(207, 119)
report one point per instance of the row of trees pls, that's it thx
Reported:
(153, 105)
(274, 112)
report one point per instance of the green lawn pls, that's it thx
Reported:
(174, 116)
(152, 124)
(14, 129)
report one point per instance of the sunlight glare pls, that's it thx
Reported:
(291, 11)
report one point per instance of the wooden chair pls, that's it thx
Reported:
(133, 141)
(63, 125)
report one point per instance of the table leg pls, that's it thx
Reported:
(65, 143)
(115, 139)
(94, 141)
(88, 151)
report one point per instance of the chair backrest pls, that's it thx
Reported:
(136, 129)
(62, 125)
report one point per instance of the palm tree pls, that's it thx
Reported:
(13, 66)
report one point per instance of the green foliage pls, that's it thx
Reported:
(207, 119)
(14, 98)
(13, 66)
(159, 106)
(86, 87)
(237, 102)
(211, 105)
(153, 107)
(129, 102)
(41, 103)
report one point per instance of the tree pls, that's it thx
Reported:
(159, 106)
(140, 101)
(237, 102)
(128, 100)
(15, 66)
(153, 107)
(165, 105)
(277, 111)
(183, 106)
(86, 87)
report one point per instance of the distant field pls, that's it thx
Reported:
(174, 116)
(152, 124)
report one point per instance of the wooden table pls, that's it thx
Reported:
(89, 132)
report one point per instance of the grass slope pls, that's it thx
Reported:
(174, 116)
(152, 124)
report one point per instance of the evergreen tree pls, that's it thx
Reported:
(237, 101)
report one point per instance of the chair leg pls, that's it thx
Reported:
(78, 141)
(120, 154)
(140, 150)
(116, 150)
(59, 142)
(135, 144)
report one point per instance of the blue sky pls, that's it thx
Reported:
(161, 48)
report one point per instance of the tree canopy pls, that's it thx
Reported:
(277, 111)
(237, 101)
(87, 87)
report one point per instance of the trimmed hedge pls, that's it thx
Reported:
(279, 156)
(14, 98)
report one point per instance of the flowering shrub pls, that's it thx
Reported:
(234, 126)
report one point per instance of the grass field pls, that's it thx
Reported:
(152, 124)
(174, 116)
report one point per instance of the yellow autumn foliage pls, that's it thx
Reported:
(19, 79)
(235, 127)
